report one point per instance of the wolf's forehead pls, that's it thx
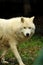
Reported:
(28, 24)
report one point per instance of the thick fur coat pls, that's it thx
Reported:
(14, 31)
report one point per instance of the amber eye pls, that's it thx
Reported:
(29, 27)
(24, 27)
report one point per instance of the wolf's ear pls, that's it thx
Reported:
(32, 18)
(22, 19)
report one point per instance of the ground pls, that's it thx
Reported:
(28, 51)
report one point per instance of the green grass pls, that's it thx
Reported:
(28, 50)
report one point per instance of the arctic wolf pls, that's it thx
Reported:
(14, 31)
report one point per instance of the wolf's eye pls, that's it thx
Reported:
(24, 27)
(29, 27)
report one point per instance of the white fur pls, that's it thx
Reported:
(12, 32)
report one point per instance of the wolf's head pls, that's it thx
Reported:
(28, 27)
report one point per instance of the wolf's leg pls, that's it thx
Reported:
(16, 53)
(3, 56)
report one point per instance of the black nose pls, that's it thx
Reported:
(27, 34)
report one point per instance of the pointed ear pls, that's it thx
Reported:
(22, 19)
(32, 18)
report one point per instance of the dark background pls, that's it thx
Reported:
(27, 8)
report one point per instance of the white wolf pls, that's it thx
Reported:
(14, 31)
